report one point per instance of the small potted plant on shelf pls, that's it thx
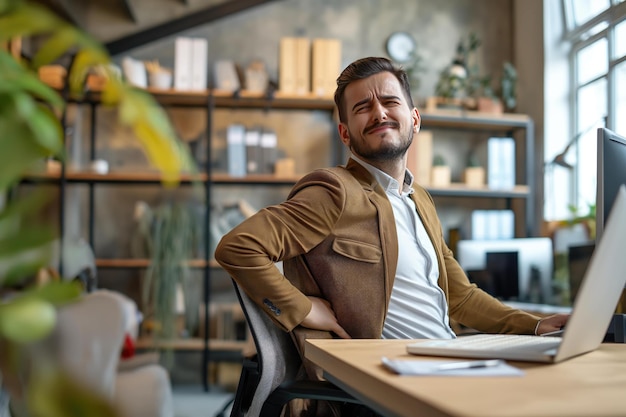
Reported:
(440, 172)
(474, 173)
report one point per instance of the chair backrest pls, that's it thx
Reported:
(278, 358)
(88, 339)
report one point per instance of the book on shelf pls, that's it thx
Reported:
(190, 63)
(493, 224)
(199, 57)
(325, 65)
(294, 71)
(501, 163)
(420, 157)
(182, 62)
(236, 150)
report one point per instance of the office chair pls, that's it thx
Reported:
(267, 381)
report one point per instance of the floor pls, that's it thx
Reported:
(193, 401)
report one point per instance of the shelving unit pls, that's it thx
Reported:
(518, 126)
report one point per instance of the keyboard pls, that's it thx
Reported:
(495, 341)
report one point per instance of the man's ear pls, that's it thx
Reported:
(343, 134)
(417, 120)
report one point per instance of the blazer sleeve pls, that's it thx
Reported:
(250, 251)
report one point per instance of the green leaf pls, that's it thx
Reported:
(15, 79)
(28, 19)
(47, 130)
(57, 395)
(20, 150)
(84, 60)
(25, 240)
(57, 293)
(54, 47)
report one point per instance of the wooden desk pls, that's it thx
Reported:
(593, 384)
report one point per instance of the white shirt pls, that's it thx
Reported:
(418, 307)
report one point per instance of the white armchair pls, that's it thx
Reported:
(87, 342)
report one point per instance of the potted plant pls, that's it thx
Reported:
(31, 131)
(474, 173)
(440, 172)
(168, 235)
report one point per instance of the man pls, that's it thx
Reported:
(362, 246)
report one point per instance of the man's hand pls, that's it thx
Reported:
(552, 323)
(322, 317)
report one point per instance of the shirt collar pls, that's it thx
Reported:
(385, 180)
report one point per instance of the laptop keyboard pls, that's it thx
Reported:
(496, 341)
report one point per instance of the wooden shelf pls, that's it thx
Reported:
(191, 344)
(464, 119)
(462, 190)
(157, 178)
(222, 98)
(144, 263)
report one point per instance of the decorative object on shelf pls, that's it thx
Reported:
(461, 84)
(256, 77)
(474, 173)
(158, 77)
(226, 76)
(53, 75)
(440, 172)
(135, 72)
(285, 168)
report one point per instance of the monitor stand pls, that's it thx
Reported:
(616, 332)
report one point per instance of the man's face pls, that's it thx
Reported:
(379, 123)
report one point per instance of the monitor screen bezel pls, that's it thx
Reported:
(609, 145)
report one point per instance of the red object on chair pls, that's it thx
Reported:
(128, 350)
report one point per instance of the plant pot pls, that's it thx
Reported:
(474, 176)
(489, 105)
(440, 176)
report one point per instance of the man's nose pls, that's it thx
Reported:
(379, 112)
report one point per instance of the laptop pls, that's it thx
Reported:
(592, 311)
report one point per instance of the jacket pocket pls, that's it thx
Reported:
(359, 251)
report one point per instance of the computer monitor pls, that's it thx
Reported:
(610, 175)
(534, 260)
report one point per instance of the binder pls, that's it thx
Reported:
(501, 163)
(199, 55)
(253, 151)
(269, 142)
(303, 66)
(325, 66)
(236, 150)
(287, 66)
(182, 63)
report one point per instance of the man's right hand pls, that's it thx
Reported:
(322, 317)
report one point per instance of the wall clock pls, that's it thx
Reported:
(400, 46)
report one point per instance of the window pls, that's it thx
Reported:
(596, 32)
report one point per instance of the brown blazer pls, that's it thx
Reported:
(337, 239)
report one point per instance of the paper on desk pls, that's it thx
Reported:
(431, 367)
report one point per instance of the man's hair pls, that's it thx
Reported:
(364, 68)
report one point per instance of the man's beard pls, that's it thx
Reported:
(387, 152)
